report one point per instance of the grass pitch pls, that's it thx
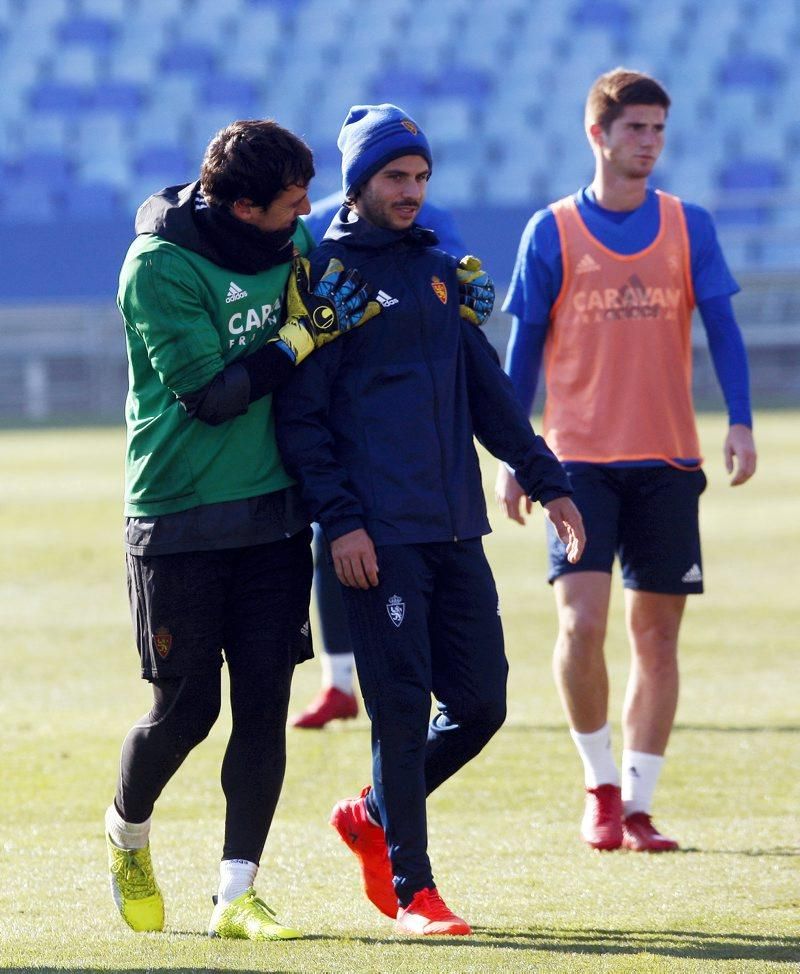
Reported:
(503, 834)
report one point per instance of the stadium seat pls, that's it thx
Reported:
(24, 201)
(111, 168)
(608, 15)
(399, 86)
(50, 169)
(116, 10)
(166, 162)
(156, 12)
(241, 96)
(753, 173)
(188, 58)
(91, 201)
(51, 133)
(751, 70)
(97, 33)
(284, 8)
(461, 80)
(739, 216)
(122, 97)
(58, 98)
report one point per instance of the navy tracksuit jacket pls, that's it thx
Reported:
(378, 429)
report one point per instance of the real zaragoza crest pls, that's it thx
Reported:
(439, 289)
(396, 608)
(162, 638)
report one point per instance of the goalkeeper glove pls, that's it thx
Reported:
(475, 290)
(315, 316)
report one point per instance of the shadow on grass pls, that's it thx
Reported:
(778, 851)
(662, 943)
(689, 944)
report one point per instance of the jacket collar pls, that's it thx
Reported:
(348, 228)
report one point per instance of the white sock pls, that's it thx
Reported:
(599, 767)
(640, 773)
(126, 835)
(337, 671)
(236, 876)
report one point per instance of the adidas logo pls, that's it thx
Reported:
(585, 264)
(386, 299)
(235, 293)
(693, 575)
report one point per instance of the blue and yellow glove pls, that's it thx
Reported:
(475, 290)
(339, 302)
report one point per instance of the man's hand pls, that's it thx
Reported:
(740, 454)
(509, 495)
(338, 303)
(355, 560)
(566, 519)
(475, 290)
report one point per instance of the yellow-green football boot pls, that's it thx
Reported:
(248, 918)
(134, 887)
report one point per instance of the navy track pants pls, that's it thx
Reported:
(431, 626)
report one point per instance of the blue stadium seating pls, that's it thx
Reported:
(239, 95)
(51, 169)
(747, 174)
(752, 70)
(188, 58)
(163, 162)
(95, 32)
(102, 95)
(59, 98)
(92, 201)
(122, 97)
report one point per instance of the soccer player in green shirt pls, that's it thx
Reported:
(218, 309)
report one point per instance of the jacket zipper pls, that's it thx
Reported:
(436, 409)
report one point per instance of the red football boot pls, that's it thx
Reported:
(368, 842)
(329, 704)
(601, 826)
(640, 835)
(427, 914)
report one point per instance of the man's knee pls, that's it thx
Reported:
(483, 717)
(186, 709)
(581, 634)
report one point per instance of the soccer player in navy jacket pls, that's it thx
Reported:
(379, 433)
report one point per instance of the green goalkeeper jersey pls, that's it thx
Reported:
(186, 318)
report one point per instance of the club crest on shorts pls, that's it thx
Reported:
(439, 289)
(162, 638)
(396, 608)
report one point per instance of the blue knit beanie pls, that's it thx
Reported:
(373, 135)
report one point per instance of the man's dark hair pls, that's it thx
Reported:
(256, 160)
(612, 91)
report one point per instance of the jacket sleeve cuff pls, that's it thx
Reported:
(550, 494)
(336, 529)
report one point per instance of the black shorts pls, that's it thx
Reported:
(190, 607)
(647, 516)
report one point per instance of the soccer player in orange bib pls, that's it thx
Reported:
(603, 288)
